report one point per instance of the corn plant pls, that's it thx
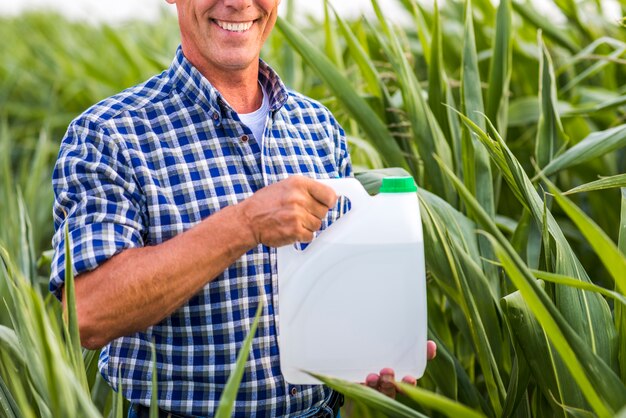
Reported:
(45, 373)
(513, 126)
(496, 111)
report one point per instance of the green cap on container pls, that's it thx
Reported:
(398, 185)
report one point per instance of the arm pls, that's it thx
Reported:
(141, 286)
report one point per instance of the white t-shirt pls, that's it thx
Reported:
(256, 120)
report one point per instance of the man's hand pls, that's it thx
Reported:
(384, 382)
(288, 211)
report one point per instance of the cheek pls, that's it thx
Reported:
(270, 6)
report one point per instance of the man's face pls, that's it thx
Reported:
(225, 35)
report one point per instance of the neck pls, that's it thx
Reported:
(243, 96)
(239, 86)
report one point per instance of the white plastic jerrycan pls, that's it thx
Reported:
(354, 301)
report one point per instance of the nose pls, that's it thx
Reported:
(238, 4)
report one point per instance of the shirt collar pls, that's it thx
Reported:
(192, 83)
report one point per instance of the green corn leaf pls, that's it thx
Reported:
(290, 72)
(571, 10)
(437, 83)
(90, 358)
(620, 311)
(341, 86)
(601, 402)
(500, 69)
(540, 356)
(227, 400)
(568, 281)
(442, 369)
(550, 134)
(476, 165)
(26, 255)
(611, 182)
(439, 93)
(8, 405)
(520, 234)
(362, 150)
(84, 404)
(440, 221)
(525, 111)
(548, 242)
(154, 397)
(422, 28)
(71, 316)
(590, 109)
(595, 49)
(10, 340)
(333, 50)
(101, 394)
(607, 251)
(463, 281)
(588, 313)
(471, 92)
(427, 133)
(359, 55)
(518, 385)
(527, 11)
(593, 146)
(452, 379)
(438, 403)
(370, 397)
(118, 398)
(611, 394)
(473, 308)
(622, 228)
(33, 331)
(593, 69)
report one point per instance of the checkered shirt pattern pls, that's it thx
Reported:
(151, 162)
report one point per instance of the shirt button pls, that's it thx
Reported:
(215, 116)
(294, 391)
(244, 138)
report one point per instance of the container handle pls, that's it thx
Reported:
(351, 188)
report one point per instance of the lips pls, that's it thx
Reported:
(234, 26)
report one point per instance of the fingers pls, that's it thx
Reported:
(431, 350)
(288, 211)
(383, 382)
(317, 209)
(387, 385)
(323, 194)
(310, 225)
(409, 380)
(372, 380)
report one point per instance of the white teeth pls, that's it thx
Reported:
(234, 27)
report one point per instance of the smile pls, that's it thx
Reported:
(234, 26)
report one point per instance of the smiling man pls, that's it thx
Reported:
(176, 193)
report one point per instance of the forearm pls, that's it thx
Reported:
(139, 287)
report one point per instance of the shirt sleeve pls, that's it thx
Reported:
(342, 155)
(96, 200)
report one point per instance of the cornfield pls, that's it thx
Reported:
(510, 120)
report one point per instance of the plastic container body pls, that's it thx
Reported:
(354, 301)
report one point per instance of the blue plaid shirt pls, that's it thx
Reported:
(151, 162)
